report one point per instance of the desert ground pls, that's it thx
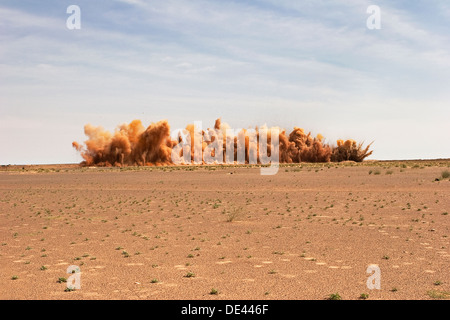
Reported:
(226, 232)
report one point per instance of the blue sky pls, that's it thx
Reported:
(312, 64)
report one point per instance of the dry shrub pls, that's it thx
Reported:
(234, 214)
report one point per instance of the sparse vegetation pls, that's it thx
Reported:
(435, 294)
(158, 219)
(234, 214)
(334, 296)
(364, 296)
(213, 292)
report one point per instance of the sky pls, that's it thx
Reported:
(313, 64)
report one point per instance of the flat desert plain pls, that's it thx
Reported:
(308, 232)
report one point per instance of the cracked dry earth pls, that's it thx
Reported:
(176, 233)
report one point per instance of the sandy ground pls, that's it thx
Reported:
(176, 233)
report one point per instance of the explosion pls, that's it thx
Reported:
(133, 144)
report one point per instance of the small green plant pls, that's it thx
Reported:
(214, 291)
(43, 268)
(14, 277)
(437, 283)
(364, 296)
(154, 281)
(61, 280)
(334, 296)
(445, 174)
(189, 275)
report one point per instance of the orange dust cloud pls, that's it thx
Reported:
(133, 144)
